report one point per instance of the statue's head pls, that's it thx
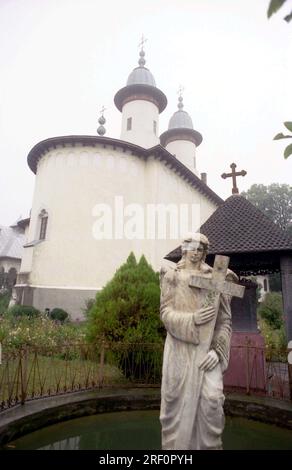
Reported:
(194, 247)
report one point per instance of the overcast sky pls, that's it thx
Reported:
(62, 60)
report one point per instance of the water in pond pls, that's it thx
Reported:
(141, 430)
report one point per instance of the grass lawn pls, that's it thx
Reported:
(39, 375)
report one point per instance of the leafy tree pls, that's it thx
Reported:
(288, 149)
(274, 200)
(127, 310)
(271, 310)
(274, 6)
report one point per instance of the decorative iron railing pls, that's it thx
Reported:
(258, 370)
(31, 373)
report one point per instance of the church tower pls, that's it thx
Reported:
(140, 103)
(181, 139)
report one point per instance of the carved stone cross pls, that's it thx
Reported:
(215, 286)
(218, 283)
(233, 175)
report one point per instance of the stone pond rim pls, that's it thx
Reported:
(36, 414)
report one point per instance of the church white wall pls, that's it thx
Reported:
(185, 151)
(26, 260)
(70, 182)
(143, 114)
(166, 187)
(263, 285)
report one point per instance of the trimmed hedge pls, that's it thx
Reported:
(59, 314)
(24, 311)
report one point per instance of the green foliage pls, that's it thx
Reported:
(288, 125)
(274, 200)
(127, 309)
(288, 151)
(271, 310)
(23, 311)
(275, 341)
(274, 6)
(39, 332)
(275, 282)
(59, 314)
(88, 306)
(4, 301)
(280, 136)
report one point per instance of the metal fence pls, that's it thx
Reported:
(31, 373)
(258, 370)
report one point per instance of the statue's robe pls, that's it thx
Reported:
(179, 303)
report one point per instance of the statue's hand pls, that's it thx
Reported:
(204, 315)
(210, 361)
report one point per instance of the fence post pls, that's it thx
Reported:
(290, 367)
(247, 365)
(23, 375)
(101, 365)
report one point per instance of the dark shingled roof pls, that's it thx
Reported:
(237, 226)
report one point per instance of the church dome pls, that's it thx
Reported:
(180, 127)
(141, 85)
(180, 119)
(142, 76)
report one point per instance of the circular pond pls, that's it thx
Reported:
(141, 430)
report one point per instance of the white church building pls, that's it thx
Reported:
(91, 193)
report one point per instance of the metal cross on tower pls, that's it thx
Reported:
(233, 175)
(142, 42)
(180, 90)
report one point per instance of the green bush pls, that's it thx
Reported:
(271, 310)
(4, 301)
(88, 306)
(275, 342)
(23, 311)
(59, 314)
(127, 308)
(41, 333)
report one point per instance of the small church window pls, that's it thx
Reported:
(129, 124)
(155, 127)
(44, 223)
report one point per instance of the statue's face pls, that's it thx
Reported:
(194, 251)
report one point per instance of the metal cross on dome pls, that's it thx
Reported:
(142, 42)
(233, 175)
(103, 109)
(180, 90)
